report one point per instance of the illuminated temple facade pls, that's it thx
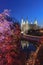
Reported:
(25, 25)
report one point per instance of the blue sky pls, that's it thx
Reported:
(33, 9)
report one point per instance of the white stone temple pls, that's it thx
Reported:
(25, 25)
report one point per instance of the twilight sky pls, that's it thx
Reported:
(33, 9)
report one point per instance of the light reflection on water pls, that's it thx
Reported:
(27, 46)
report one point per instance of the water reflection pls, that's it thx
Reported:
(27, 47)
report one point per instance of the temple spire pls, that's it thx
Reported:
(35, 22)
